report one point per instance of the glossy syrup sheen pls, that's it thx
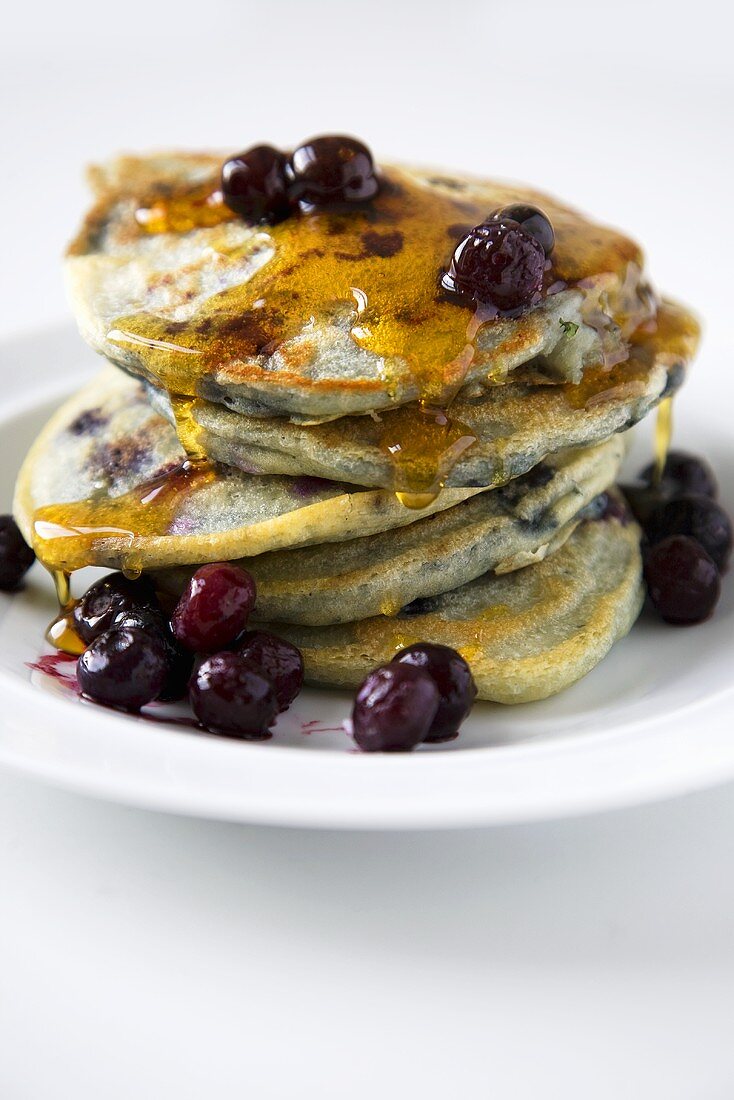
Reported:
(377, 266)
(68, 536)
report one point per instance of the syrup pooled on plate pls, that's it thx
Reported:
(62, 633)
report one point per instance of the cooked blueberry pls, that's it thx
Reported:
(16, 556)
(123, 668)
(278, 660)
(229, 695)
(452, 676)
(179, 662)
(394, 709)
(331, 170)
(105, 598)
(533, 221)
(682, 580)
(214, 607)
(254, 184)
(611, 507)
(643, 500)
(683, 473)
(498, 264)
(701, 518)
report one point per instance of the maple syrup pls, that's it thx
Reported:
(423, 444)
(61, 632)
(663, 436)
(377, 268)
(201, 207)
(66, 536)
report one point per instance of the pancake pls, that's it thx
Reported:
(106, 483)
(501, 530)
(515, 425)
(330, 314)
(526, 635)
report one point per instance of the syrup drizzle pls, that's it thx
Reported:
(663, 436)
(69, 536)
(376, 270)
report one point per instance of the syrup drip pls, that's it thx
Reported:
(66, 536)
(663, 435)
(61, 633)
(375, 269)
(669, 340)
(423, 444)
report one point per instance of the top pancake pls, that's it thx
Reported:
(328, 314)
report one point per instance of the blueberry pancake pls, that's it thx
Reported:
(526, 635)
(107, 483)
(336, 312)
(501, 530)
(386, 405)
(514, 425)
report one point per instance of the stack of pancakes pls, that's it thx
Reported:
(390, 465)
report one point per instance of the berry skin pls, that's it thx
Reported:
(16, 556)
(643, 500)
(98, 606)
(699, 517)
(497, 264)
(452, 676)
(229, 695)
(123, 668)
(278, 660)
(179, 662)
(683, 474)
(682, 581)
(214, 608)
(254, 185)
(533, 221)
(331, 170)
(394, 709)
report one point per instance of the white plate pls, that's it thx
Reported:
(653, 720)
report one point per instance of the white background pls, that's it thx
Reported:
(144, 956)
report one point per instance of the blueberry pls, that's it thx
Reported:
(123, 668)
(16, 556)
(682, 580)
(179, 662)
(683, 473)
(278, 660)
(229, 695)
(254, 184)
(214, 608)
(452, 676)
(394, 709)
(497, 264)
(533, 221)
(331, 170)
(98, 606)
(642, 499)
(699, 517)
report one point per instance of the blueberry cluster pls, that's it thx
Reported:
(687, 537)
(501, 263)
(264, 184)
(424, 694)
(237, 681)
